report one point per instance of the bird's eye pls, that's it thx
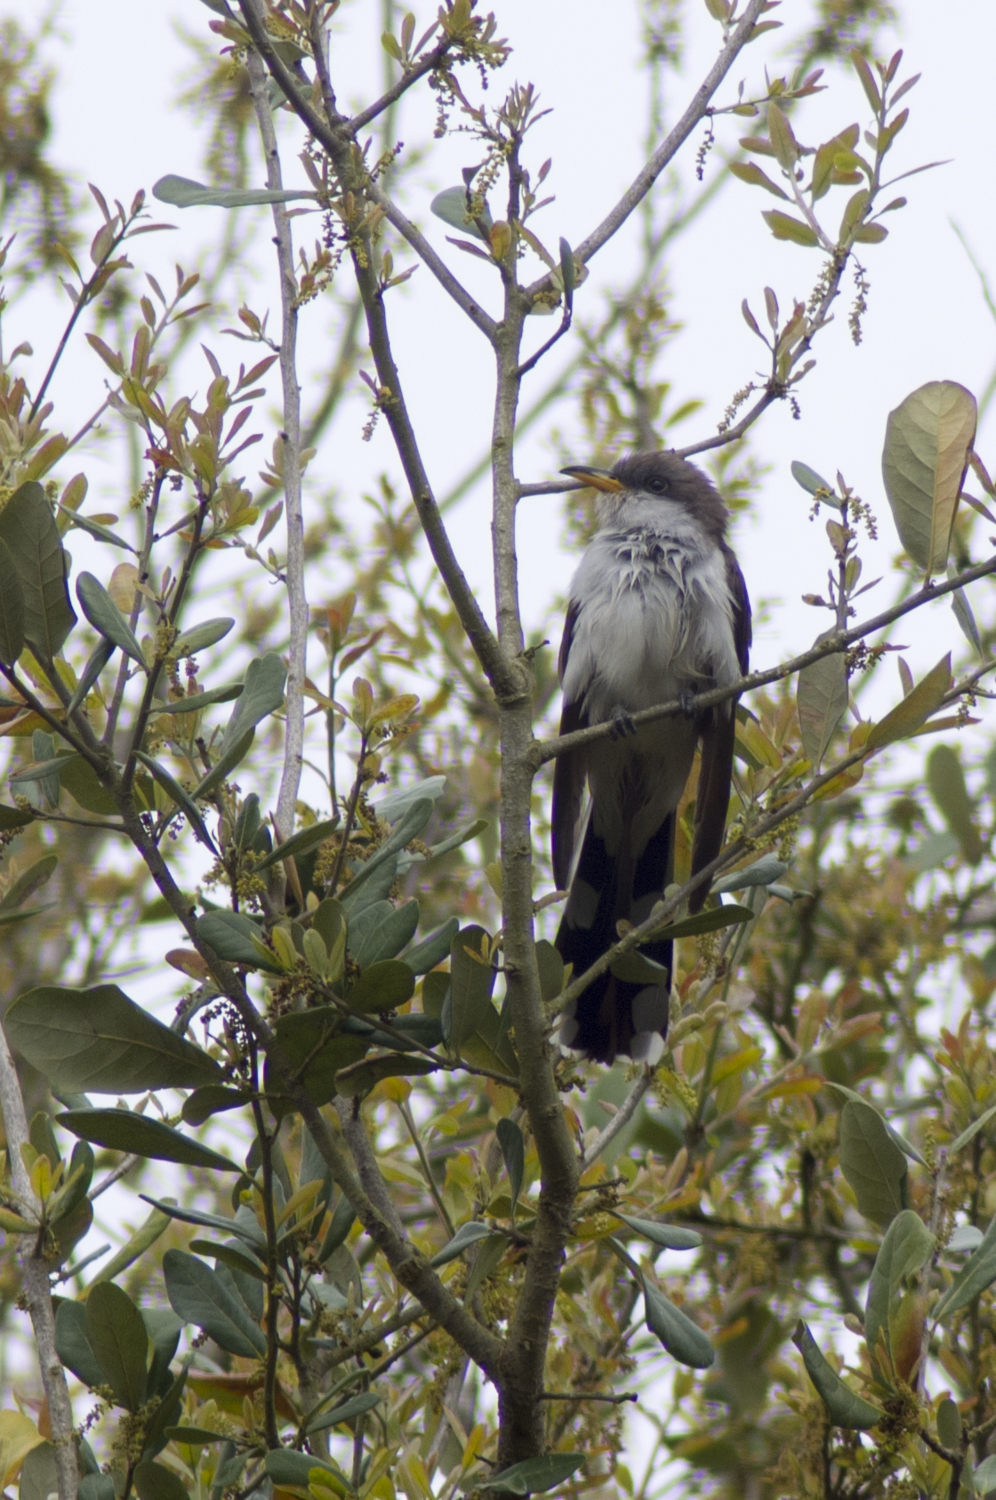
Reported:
(657, 484)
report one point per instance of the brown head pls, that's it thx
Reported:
(660, 476)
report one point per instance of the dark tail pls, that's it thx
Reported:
(615, 1015)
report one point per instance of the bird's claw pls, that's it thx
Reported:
(621, 725)
(687, 700)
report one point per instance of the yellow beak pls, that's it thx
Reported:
(599, 479)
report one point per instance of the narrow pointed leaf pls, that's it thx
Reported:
(533, 1476)
(432, 949)
(946, 781)
(299, 843)
(821, 698)
(262, 694)
(670, 1236)
(468, 1234)
(513, 1150)
(173, 789)
(978, 1272)
(871, 1161)
(907, 1246)
(123, 1130)
(844, 1407)
(184, 192)
(198, 1295)
(682, 1338)
(915, 709)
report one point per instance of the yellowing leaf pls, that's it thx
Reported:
(927, 441)
(18, 1435)
(726, 1067)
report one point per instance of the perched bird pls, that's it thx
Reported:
(658, 610)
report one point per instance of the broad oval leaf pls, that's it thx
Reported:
(383, 986)
(346, 1412)
(871, 1161)
(28, 527)
(198, 1295)
(762, 872)
(380, 932)
(314, 1039)
(468, 1234)
(670, 1236)
(359, 1078)
(199, 637)
(72, 1344)
(286, 1467)
(184, 192)
(451, 206)
(811, 482)
(907, 1246)
(123, 1130)
(682, 1338)
(821, 698)
(105, 617)
(97, 1039)
(237, 939)
(845, 1407)
(213, 1099)
(432, 949)
(262, 694)
(472, 979)
(299, 843)
(154, 1481)
(533, 1476)
(119, 1340)
(946, 781)
(11, 608)
(927, 440)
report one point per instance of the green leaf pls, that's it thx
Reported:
(80, 522)
(915, 709)
(472, 980)
(28, 527)
(213, 1099)
(451, 206)
(905, 1146)
(411, 824)
(636, 968)
(487, 1260)
(949, 1423)
(967, 622)
(821, 699)
(173, 789)
(682, 1338)
(237, 939)
(105, 617)
(123, 1130)
(72, 1344)
(971, 1131)
(39, 1478)
(32, 879)
(784, 227)
(11, 608)
(262, 695)
(670, 1236)
(433, 949)
(299, 843)
(235, 1260)
(99, 1039)
(749, 171)
(120, 1342)
(871, 1161)
(343, 1219)
(184, 192)
(927, 441)
(12, 818)
(712, 920)
(783, 142)
(198, 1295)
(194, 1437)
(246, 1229)
(762, 872)
(468, 1234)
(513, 1150)
(79, 779)
(226, 763)
(314, 1037)
(359, 1078)
(200, 637)
(907, 1246)
(534, 1475)
(844, 1407)
(197, 701)
(286, 1467)
(154, 1481)
(946, 781)
(978, 1272)
(383, 986)
(347, 1412)
(811, 482)
(380, 932)
(551, 970)
(97, 661)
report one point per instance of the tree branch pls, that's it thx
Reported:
(546, 750)
(290, 780)
(37, 1286)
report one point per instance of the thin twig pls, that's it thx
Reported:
(619, 1121)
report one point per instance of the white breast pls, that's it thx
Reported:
(654, 614)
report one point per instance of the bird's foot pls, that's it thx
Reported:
(621, 725)
(687, 700)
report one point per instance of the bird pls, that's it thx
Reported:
(658, 610)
